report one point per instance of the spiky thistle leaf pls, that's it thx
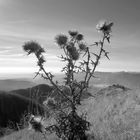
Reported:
(82, 47)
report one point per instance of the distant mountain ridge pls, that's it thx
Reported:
(38, 92)
(13, 84)
(128, 79)
(43, 91)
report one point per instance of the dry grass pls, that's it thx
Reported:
(28, 135)
(114, 115)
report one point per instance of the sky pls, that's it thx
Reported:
(42, 20)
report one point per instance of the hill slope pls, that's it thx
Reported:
(39, 92)
(114, 113)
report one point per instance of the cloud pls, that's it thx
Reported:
(4, 51)
(26, 70)
(14, 22)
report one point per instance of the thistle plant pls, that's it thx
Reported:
(79, 58)
(36, 123)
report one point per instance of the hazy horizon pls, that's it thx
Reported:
(42, 20)
(8, 76)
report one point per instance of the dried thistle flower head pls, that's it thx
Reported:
(73, 52)
(33, 47)
(69, 47)
(79, 37)
(82, 47)
(73, 33)
(36, 123)
(104, 27)
(61, 39)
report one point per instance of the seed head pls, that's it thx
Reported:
(61, 39)
(36, 123)
(79, 37)
(33, 47)
(104, 27)
(73, 52)
(73, 33)
(82, 47)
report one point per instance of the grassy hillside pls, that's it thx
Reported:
(13, 106)
(114, 113)
(27, 134)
